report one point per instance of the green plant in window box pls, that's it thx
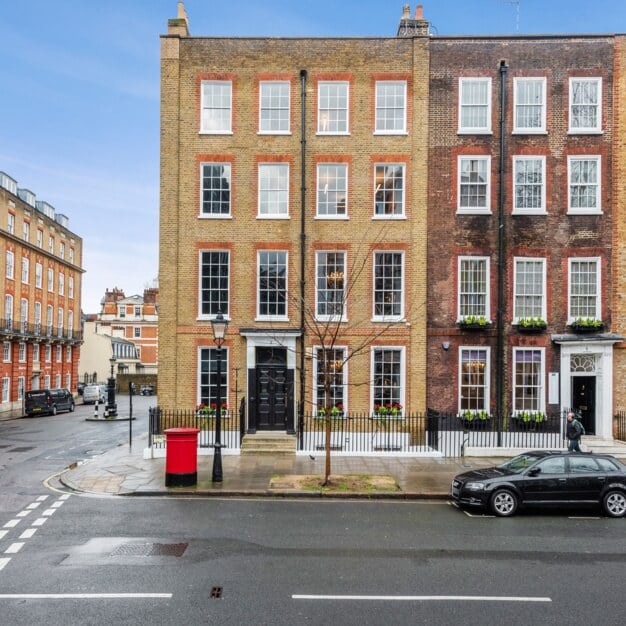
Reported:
(531, 323)
(586, 324)
(474, 321)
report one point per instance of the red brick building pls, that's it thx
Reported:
(41, 290)
(520, 226)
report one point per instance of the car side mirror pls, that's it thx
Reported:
(534, 471)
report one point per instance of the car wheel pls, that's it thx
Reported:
(72, 407)
(614, 503)
(53, 410)
(504, 503)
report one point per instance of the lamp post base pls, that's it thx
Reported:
(217, 475)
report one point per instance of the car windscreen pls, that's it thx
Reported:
(519, 463)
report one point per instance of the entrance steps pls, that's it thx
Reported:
(603, 445)
(269, 443)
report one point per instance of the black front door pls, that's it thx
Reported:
(271, 391)
(584, 401)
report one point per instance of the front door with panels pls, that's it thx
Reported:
(584, 401)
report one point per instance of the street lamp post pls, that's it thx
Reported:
(219, 326)
(111, 407)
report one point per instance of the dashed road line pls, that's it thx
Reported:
(40, 521)
(427, 598)
(28, 533)
(3, 562)
(12, 523)
(14, 548)
(3, 533)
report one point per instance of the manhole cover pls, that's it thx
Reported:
(150, 549)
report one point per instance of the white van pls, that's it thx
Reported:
(94, 393)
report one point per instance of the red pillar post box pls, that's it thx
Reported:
(181, 457)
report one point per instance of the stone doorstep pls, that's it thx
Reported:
(269, 444)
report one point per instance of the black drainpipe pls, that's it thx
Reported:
(500, 356)
(303, 75)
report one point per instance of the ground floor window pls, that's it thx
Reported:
(528, 387)
(333, 361)
(388, 377)
(474, 379)
(208, 377)
(6, 387)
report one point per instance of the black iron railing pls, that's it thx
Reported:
(620, 426)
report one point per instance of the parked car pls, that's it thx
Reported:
(94, 393)
(48, 401)
(146, 390)
(545, 478)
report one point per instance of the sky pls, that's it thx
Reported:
(79, 97)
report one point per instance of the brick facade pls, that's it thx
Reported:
(40, 331)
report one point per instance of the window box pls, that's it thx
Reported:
(530, 420)
(474, 322)
(475, 420)
(586, 325)
(530, 325)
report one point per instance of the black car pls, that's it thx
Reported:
(545, 478)
(146, 390)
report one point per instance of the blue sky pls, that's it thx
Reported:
(79, 104)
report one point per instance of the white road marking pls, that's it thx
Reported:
(49, 512)
(478, 515)
(3, 533)
(33, 505)
(40, 521)
(14, 548)
(42, 498)
(56, 505)
(22, 514)
(3, 562)
(12, 523)
(65, 496)
(80, 596)
(28, 533)
(427, 598)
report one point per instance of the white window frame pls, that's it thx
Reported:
(6, 351)
(328, 107)
(21, 382)
(482, 210)
(474, 130)
(322, 284)
(39, 238)
(50, 279)
(598, 288)
(219, 303)
(272, 316)
(381, 179)
(227, 166)
(59, 353)
(529, 130)
(61, 284)
(342, 353)
(68, 354)
(137, 332)
(402, 384)
(6, 388)
(10, 265)
(51, 244)
(207, 370)
(38, 275)
(8, 311)
(10, 223)
(376, 317)
(517, 261)
(36, 352)
(380, 106)
(597, 210)
(46, 381)
(208, 126)
(541, 396)
(21, 352)
(49, 319)
(26, 230)
(585, 130)
(48, 354)
(484, 404)
(70, 325)
(332, 178)
(271, 106)
(270, 180)
(486, 308)
(62, 250)
(23, 314)
(25, 270)
(518, 160)
(70, 287)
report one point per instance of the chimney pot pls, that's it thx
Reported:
(406, 12)
(419, 12)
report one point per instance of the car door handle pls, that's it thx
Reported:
(602, 478)
(562, 480)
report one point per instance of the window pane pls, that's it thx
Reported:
(332, 185)
(273, 189)
(274, 114)
(334, 364)
(208, 376)
(333, 107)
(584, 289)
(389, 193)
(387, 376)
(330, 283)
(473, 381)
(529, 104)
(528, 288)
(474, 104)
(528, 183)
(216, 106)
(216, 188)
(273, 283)
(473, 287)
(390, 106)
(528, 380)
(388, 284)
(473, 183)
(585, 104)
(214, 282)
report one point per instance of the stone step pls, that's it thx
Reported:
(277, 444)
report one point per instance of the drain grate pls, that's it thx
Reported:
(150, 549)
(216, 592)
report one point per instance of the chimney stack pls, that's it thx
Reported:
(180, 24)
(417, 27)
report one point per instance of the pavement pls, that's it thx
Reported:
(123, 471)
